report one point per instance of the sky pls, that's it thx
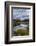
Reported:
(21, 13)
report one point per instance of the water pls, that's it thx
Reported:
(21, 26)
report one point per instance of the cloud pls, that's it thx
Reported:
(21, 13)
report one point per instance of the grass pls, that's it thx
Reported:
(21, 32)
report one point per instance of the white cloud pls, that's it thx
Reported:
(21, 13)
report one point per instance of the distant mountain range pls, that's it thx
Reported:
(25, 20)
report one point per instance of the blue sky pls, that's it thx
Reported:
(21, 13)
